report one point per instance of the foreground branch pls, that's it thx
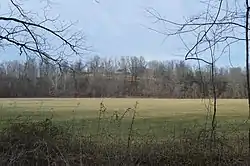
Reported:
(34, 38)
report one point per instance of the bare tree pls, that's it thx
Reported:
(222, 24)
(33, 34)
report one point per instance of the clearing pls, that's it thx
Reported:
(159, 117)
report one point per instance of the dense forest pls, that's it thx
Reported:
(126, 77)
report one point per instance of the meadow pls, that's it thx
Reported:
(138, 127)
(147, 108)
(158, 116)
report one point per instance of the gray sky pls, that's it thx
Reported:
(114, 27)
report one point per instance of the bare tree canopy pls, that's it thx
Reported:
(220, 25)
(41, 36)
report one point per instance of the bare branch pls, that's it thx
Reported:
(37, 38)
(222, 21)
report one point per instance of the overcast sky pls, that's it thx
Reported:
(116, 27)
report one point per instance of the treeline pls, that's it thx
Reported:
(125, 77)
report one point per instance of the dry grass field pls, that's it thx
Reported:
(163, 131)
(147, 108)
(159, 116)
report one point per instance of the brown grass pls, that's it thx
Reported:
(165, 131)
(147, 107)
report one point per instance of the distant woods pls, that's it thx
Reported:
(125, 77)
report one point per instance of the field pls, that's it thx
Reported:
(155, 122)
(147, 108)
(153, 114)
